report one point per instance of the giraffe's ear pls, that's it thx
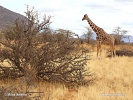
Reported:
(85, 15)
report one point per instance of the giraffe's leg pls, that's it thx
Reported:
(113, 50)
(100, 49)
(97, 49)
(111, 53)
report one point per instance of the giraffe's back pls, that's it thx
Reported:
(108, 39)
(104, 37)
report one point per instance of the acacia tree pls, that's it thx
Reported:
(30, 43)
(20, 39)
(88, 34)
(119, 34)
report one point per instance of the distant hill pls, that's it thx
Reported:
(7, 17)
(126, 39)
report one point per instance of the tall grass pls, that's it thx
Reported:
(114, 81)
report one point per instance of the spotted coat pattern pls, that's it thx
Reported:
(102, 36)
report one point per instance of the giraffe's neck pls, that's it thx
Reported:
(93, 26)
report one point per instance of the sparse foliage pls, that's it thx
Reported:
(55, 56)
(88, 34)
(119, 34)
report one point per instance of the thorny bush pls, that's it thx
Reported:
(56, 55)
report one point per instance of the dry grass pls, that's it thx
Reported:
(114, 77)
(114, 82)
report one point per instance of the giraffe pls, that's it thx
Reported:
(102, 36)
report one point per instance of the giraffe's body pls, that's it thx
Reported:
(102, 36)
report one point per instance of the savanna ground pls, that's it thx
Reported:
(114, 80)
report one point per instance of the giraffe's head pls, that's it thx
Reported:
(85, 17)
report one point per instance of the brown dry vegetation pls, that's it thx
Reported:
(34, 53)
(114, 81)
(56, 66)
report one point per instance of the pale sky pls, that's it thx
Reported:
(67, 14)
